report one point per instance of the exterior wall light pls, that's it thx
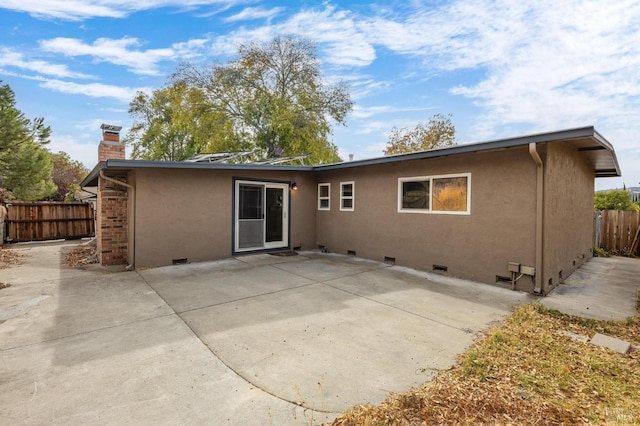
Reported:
(294, 186)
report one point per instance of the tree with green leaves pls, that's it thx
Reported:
(174, 123)
(616, 199)
(438, 132)
(25, 165)
(67, 175)
(274, 94)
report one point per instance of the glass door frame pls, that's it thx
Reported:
(286, 218)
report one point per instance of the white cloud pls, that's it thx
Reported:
(120, 52)
(80, 149)
(251, 13)
(336, 32)
(81, 140)
(528, 66)
(545, 64)
(94, 90)
(11, 58)
(77, 10)
(366, 112)
(375, 127)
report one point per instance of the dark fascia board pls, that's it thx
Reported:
(562, 135)
(112, 164)
(577, 133)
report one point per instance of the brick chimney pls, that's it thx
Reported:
(112, 208)
(110, 147)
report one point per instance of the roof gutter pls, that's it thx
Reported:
(130, 235)
(539, 281)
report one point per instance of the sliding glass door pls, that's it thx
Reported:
(261, 215)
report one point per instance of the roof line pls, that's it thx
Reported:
(580, 132)
(146, 164)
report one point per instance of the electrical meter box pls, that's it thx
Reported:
(528, 270)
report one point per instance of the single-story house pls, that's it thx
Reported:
(517, 211)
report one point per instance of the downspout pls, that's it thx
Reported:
(539, 283)
(131, 235)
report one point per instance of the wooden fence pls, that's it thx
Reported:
(617, 230)
(39, 221)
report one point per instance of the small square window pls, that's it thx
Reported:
(347, 196)
(324, 191)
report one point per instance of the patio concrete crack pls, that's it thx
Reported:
(377, 268)
(463, 329)
(82, 333)
(242, 298)
(236, 372)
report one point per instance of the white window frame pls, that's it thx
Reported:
(352, 197)
(431, 178)
(328, 197)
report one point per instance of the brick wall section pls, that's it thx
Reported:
(112, 232)
(112, 208)
(110, 149)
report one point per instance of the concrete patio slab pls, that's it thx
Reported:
(321, 267)
(460, 304)
(604, 288)
(324, 348)
(396, 322)
(188, 287)
(147, 372)
(258, 339)
(104, 348)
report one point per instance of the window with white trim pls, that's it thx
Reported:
(441, 194)
(347, 196)
(324, 191)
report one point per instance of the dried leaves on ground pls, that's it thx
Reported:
(524, 372)
(9, 258)
(83, 255)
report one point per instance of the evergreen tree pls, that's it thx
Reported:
(25, 165)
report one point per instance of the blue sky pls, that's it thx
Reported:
(501, 68)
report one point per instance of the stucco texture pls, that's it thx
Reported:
(500, 227)
(568, 212)
(187, 214)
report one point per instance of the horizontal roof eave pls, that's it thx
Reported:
(586, 139)
(146, 164)
(581, 132)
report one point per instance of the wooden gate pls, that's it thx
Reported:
(617, 230)
(39, 221)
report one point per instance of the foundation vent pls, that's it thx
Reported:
(440, 268)
(179, 261)
(391, 260)
(502, 279)
(351, 252)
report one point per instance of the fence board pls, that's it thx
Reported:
(39, 221)
(617, 229)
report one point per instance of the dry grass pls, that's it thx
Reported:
(9, 258)
(524, 372)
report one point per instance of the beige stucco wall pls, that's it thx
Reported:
(568, 212)
(188, 213)
(500, 228)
